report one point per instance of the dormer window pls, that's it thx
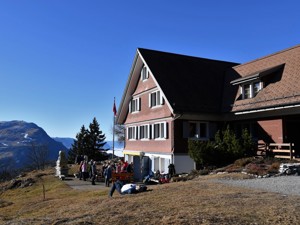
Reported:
(144, 73)
(253, 83)
(135, 105)
(250, 90)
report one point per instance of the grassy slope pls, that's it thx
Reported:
(199, 201)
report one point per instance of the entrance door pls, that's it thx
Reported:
(293, 134)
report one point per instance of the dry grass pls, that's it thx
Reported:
(199, 201)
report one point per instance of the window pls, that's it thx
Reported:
(256, 88)
(155, 99)
(198, 130)
(193, 130)
(159, 130)
(250, 90)
(131, 133)
(135, 105)
(144, 132)
(144, 73)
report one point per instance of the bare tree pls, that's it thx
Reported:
(7, 170)
(119, 132)
(38, 155)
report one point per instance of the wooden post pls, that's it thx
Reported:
(44, 192)
(291, 151)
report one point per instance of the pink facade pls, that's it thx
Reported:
(273, 130)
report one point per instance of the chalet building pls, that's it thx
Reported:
(171, 98)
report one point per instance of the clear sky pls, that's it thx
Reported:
(62, 62)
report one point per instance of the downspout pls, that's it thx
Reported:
(175, 117)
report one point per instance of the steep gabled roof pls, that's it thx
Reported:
(190, 84)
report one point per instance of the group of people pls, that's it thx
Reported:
(119, 167)
(88, 170)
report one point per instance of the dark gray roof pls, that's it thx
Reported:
(190, 84)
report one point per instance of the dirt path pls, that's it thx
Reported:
(77, 184)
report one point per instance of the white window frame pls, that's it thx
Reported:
(161, 133)
(251, 86)
(198, 135)
(144, 73)
(159, 100)
(132, 133)
(146, 132)
(135, 105)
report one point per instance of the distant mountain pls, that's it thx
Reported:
(117, 145)
(17, 140)
(67, 142)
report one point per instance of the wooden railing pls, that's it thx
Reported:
(282, 150)
(278, 150)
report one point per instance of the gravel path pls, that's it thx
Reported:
(289, 185)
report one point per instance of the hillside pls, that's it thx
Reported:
(17, 141)
(202, 200)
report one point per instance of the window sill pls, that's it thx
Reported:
(156, 106)
(199, 139)
(135, 112)
(160, 139)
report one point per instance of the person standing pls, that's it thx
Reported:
(93, 172)
(80, 171)
(107, 175)
(84, 170)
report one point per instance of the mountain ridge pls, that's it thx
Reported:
(19, 138)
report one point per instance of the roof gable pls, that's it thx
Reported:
(190, 84)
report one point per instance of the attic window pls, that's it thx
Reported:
(155, 99)
(250, 90)
(144, 73)
(251, 84)
(135, 105)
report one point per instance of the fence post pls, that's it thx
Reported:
(291, 151)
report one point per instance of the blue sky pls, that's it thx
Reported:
(62, 62)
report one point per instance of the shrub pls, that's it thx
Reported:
(202, 152)
(243, 161)
(224, 150)
(257, 169)
(274, 168)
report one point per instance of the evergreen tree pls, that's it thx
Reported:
(88, 142)
(95, 141)
(80, 146)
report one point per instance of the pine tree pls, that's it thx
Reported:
(89, 142)
(80, 146)
(95, 140)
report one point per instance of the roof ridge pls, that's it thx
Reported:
(188, 56)
(267, 56)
